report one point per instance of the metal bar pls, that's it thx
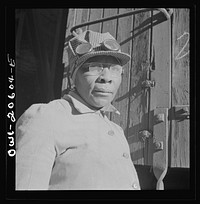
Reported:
(164, 11)
(160, 158)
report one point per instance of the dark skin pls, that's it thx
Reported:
(98, 90)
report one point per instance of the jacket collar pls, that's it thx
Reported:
(81, 106)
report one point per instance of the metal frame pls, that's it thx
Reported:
(167, 12)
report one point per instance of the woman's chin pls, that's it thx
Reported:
(100, 102)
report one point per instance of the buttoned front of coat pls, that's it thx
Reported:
(64, 145)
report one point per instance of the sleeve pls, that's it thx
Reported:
(35, 152)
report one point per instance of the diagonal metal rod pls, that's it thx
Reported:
(164, 11)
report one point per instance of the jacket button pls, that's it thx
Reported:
(125, 155)
(111, 132)
(134, 185)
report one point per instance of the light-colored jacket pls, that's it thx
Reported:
(64, 145)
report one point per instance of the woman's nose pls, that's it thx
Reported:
(105, 76)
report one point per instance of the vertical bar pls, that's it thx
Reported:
(161, 96)
(150, 150)
(160, 158)
(180, 138)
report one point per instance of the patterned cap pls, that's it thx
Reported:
(89, 44)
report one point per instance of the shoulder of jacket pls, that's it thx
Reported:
(46, 110)
(53, 106)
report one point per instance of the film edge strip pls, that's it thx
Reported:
(10, 113)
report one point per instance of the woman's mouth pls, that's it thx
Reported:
(102, 92)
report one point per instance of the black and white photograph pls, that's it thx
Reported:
(99, 99)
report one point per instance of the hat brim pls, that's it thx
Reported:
(122, 57)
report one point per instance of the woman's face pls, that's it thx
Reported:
(98, 90)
